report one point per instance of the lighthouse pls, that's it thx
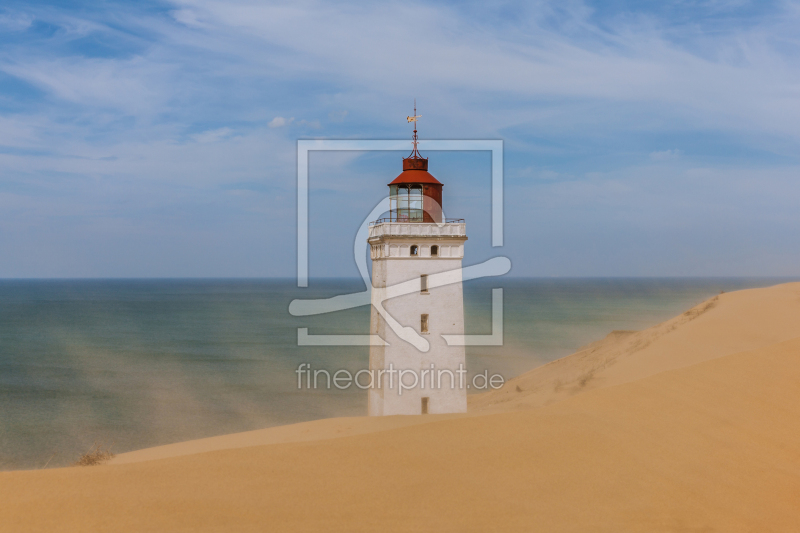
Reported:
(417, 297)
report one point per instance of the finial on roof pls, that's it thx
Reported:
(415, 141)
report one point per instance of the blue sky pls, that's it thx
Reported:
(144, 139)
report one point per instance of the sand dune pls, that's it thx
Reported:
(693, 425)
(726, 324)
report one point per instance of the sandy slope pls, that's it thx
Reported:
(330, 428)
(676, 430)
(726, 324)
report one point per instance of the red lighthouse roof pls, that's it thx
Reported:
(415, 176)
(415, 170)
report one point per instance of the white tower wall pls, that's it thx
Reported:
(393, 264)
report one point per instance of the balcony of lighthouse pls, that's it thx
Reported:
(384, 227)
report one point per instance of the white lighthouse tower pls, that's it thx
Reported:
(416, 278)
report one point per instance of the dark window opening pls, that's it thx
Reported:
(415, 250)
(423, 283)
(425, 402)
(423, 323)
(434, 251)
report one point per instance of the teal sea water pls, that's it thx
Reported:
(138, 363)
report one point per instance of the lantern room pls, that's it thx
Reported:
(415, 195)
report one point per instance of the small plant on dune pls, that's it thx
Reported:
(97, 455)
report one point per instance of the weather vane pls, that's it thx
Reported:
(414, 119)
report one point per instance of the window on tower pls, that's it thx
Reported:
(402, 204)
(434, 251)
(423, 283)
(415, 250)
(415, 203)
(423, 323)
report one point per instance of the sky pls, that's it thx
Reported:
(159, 139)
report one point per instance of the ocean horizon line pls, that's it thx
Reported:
(356, 278)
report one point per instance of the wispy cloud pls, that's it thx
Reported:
(665, 155)
(279, 122)
(15, 21)
(136, 113)
(211, 136)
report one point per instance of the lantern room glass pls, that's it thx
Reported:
(405, 203)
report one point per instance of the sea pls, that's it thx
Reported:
(133, 363)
